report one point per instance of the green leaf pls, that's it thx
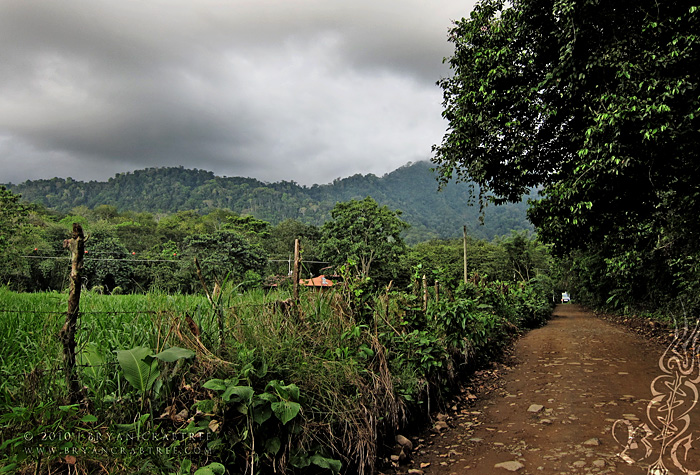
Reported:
(299, 460)
(288, 392)
(261, 411)
(186, 467)
(175, 353)
(8, 468)
(291, 391)
(273, 445)
(91, 359)
(206, 406)
(285, 411)
(139, 366)
(269, 397)
(215, 385)
(242, 394)
(214, 468)
(323, 462)
(88, 418)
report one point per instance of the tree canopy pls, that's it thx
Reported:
(12, 212)
(597, 103)
(364, 232)
(134, 252)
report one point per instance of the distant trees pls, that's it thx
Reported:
(280, 246)
(134, 252)
(165, 192)
(14, 226)
(223, 255)
(13, 213)
(518, 257)
(106, 266)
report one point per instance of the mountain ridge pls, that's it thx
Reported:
(412, 189)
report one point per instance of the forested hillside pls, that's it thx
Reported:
(411, 189)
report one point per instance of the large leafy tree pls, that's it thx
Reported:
(105, 264)
(280, 246)
(14, 228)
(367, 234)
(13, 217)
(595, 102)
(222, 254)
(280, 242)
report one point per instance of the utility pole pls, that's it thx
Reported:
(465, 253)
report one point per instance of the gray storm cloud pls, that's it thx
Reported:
(305, 91)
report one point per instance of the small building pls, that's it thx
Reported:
(320, 282)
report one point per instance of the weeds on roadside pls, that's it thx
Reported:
(297, 388)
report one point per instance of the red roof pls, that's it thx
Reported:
(319, 281)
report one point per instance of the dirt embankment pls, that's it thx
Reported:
(567, 403)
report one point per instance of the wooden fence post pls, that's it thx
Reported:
(76, 245)
(295, 273)
(425, 293)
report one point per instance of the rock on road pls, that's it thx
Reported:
(577, 384)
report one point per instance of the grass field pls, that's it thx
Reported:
(30, 323)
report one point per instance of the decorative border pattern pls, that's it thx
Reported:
(674, 396)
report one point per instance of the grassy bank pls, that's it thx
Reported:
(301, 388)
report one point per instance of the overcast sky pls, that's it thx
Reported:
(303, 90)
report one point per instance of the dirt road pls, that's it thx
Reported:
(572, 388)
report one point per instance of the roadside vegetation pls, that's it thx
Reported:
(292, 389)
(596, 105)
(246, 379)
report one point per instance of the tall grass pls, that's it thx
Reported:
(30, 324)
(339, 370)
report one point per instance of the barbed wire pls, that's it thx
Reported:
(132, 312)
(87, 257)
(82, 312)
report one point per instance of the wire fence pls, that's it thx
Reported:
(115, 259)
(85, 327)
(133, 274)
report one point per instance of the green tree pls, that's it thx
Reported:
(105, 261)
(598, 104)
(13, 217)
(176, 227)
(137, 231)
(523, 257)
(366, 233)
(221, 254)
(280, 242)
(14, 229)
(280, 246)
(46, 241)
(105, 213)
(255, 230)
(439, 257)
